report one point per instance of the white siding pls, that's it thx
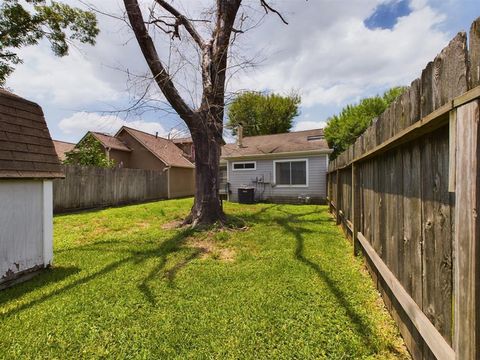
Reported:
(24, 224)
(317, 170)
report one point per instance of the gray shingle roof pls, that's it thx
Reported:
(299, 141)
(26, 148)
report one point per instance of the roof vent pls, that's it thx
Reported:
(315, 137)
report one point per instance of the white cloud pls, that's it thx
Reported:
(331, 56)
(70, 81)
(309, 125)
(81, 122)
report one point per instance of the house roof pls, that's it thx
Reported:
(184, 140)
(162, 148)
(26, 148)
(109, 141)
(292, 142)
(62, 147)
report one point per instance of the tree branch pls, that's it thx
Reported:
(182, 20)
(161, 76)
(268, 8)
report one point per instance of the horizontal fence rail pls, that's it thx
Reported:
(406, 192)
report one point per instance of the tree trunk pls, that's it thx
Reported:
(207, 207)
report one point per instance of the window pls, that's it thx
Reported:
(291, 172)
(251, 165)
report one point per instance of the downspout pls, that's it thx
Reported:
(167, 170)
(228, 181)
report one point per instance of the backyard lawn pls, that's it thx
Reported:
(128, 284)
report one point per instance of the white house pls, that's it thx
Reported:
(284, 168)
(28, 163)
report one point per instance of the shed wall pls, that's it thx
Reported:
(22, 218)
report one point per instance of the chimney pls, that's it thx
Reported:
(240, 136)
(156, 135)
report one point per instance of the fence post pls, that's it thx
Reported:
(337, 200)
(466, 340)
(355, 209)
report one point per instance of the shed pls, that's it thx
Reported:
(28, 164)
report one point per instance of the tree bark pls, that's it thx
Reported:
(207, 206)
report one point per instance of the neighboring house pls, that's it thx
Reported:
(28, 163)
(135, 149)
(156, 153)
(62, 147)
(186, 145)
(289, 167)
(114, 148)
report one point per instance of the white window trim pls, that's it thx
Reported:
(244, 162)
(289, 160)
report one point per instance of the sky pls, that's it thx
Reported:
(332, 52)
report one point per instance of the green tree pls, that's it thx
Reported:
(263, 114)
(26, 22)
(89, 152)
(343, 129)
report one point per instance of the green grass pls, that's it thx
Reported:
(125, 285)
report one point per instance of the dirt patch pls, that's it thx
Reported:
(210, 249)
(175, 224)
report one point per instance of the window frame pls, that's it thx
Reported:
(244, 162)
(290, 161)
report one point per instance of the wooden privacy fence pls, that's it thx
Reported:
(407, 193)
(91, 187)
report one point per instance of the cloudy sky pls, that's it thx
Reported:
(333, 52)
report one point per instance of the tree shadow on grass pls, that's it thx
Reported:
(138, 257)
(363, 328)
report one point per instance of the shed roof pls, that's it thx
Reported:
(62, 147)
(109, 141)
(292, 142)
(26, 148)
(163, 149)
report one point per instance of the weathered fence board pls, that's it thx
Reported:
(474, 54)
(467, 233)
(408, 191)
(91, 187)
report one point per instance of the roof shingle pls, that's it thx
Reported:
(110, 141)
(62, 147)
(26, 148)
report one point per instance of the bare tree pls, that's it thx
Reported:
(204, 121)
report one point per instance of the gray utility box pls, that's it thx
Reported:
(246, 195)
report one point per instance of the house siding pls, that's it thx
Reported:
(121, 158)
(316, 189)
(25, 223)
(140, 157)
(182, 182)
